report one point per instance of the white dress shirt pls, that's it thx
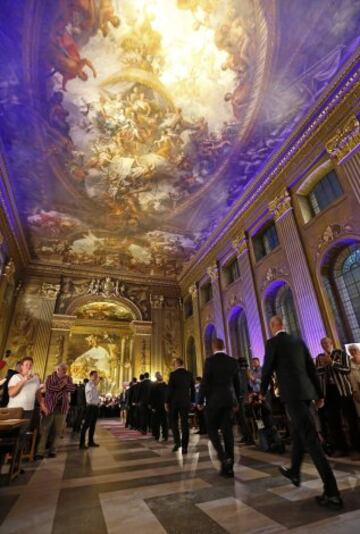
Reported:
(92, 394)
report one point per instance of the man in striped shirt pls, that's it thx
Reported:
(58, 385)
(333, 367)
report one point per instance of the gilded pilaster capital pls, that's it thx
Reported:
(193, 291)
(281, 204)
(345, 141)
(240, 245)
(157, 301)
(9, 270)
(213, 272)
(49, 291)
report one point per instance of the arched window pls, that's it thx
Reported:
(191, 356)
(210, 335)
(239, 334)
(279, 301)
(341, 277)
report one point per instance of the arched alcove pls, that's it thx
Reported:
(279, 300)
(239, 333)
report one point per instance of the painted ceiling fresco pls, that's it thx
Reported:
(130, 127)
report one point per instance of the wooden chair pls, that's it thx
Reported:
(9, 443)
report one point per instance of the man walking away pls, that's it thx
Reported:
(144, 401)
(92, 410)
(180, 397)
(157, 403)
(299, 385)
(220, 387)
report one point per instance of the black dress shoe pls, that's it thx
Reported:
(333, 503)
(52, 455)
(286, 472)
(184, 451)
(227, 469)
(176, 448)
(93, 445)
(82, 446)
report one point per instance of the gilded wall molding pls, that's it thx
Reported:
(157, 301)
(330, 234)
(345, 141)
(49, 291)
(193, 291)
(272, 274)
(240, 245)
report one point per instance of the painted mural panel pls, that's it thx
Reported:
(131, 127)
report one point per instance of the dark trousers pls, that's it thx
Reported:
(305, 438)
(183, 413)
(144, 413)
(243, 422)
(160, 421)
(78, 417)
(91, 415)
(221, 418)
(201, 421)
(336, 408)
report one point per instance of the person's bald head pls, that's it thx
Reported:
(218, 344)
(276, 324)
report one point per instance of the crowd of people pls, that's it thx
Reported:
(316, 407)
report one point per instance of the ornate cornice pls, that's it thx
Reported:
(345, 141)
(62, 323)
(280, 205)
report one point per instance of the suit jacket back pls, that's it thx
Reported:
(289, 357)
(221, 382)
(181, 388)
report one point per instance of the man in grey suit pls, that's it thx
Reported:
(289, 358)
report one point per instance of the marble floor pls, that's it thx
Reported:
(131, 484)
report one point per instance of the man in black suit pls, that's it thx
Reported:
(157, 402)
(220, 387)
(299, 385)
(180, 397)
(144, 402)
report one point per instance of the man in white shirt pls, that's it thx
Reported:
(92, 410)
(23, 389)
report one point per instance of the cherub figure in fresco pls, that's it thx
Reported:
(65, 56)
(107, 16)
(86, 10)
(58, 114)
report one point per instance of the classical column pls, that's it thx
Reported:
(344, 149)
(59, 341)
(157, 307)
(240, 245)
(48, 295)
(214, 274)
(311, 321)
(142, 347)
(194, 292)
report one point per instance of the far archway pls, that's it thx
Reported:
(239, 334)
(209, 336)
(279, 300)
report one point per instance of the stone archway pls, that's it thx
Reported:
(103, 333)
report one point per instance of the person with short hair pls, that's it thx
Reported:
(354, 352)
(157, 404)
(23, 388)
(299, 386)
(58, 386)
(333, 368)
(180, 397)
(92, 411)
(220, 386)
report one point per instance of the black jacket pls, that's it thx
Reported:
(5, 396)
(221, 382)
(158, 396)
(181, 388)
(290, 359)
(144, 392)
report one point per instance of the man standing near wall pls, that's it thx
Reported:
(58, 385)
(92, 410)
